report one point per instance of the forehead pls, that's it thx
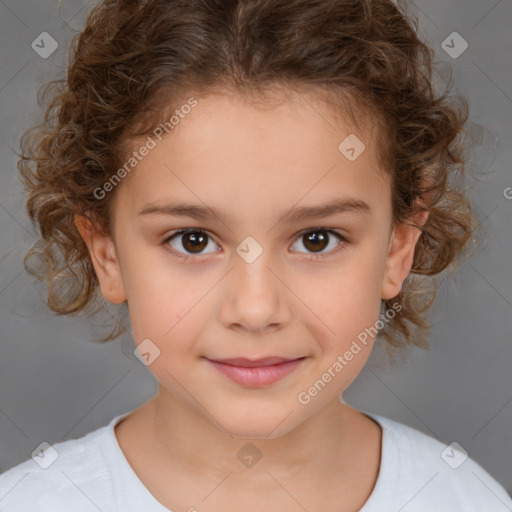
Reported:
(254, 160)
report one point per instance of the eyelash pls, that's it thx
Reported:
(315, 256)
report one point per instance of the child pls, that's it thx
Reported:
(255, 180)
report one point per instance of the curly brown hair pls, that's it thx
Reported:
(135, 61)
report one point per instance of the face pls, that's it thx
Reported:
(264, 272)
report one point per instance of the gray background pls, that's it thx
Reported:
(56, 385)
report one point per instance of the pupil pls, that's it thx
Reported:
(317, 242)
(196, 239)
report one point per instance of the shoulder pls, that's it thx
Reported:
(66, 475)
(430, 474)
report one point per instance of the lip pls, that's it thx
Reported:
(253, 363)
(258, 372)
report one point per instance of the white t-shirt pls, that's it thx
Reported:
(91, 474)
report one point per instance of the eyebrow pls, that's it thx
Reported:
(201, 212)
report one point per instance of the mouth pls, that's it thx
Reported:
(256, 372)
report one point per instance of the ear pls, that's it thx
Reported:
(401, 253)
(103, 256)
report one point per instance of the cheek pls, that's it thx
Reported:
(347, 301)
(161, 299)
(171, 320)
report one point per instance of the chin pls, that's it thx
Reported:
(256, 425)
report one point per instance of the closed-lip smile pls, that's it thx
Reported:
(252, 363)
(256, 372)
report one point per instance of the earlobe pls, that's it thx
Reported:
(401, 253)
(104, 259)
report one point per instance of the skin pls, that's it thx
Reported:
(252, 165)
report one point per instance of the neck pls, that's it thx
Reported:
(328, 443)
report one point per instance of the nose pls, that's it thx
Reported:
(255, 297)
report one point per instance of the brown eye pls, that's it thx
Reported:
(192, 241)
(317, 240)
